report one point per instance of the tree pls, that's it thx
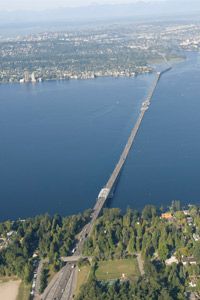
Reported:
(179, 215)
(164, 295)
(131, 245)
(28, 271)
(163, 250)
(176, 205)
(197, 251)
(119, 250)
(43, 279)
(149, 212)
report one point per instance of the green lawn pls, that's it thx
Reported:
(83, 275)
(24, 292)
(117, 269)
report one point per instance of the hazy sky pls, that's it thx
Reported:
(43, 4)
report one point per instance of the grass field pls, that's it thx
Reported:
(117, 269)
(83, 275)
(24, 292)
(51, 272)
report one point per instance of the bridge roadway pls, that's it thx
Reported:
(62, 284)
(131, 139)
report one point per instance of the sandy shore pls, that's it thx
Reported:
(9, 290)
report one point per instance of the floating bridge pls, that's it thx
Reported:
(106, 191)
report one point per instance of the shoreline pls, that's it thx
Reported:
(152, 64)
(77, 79)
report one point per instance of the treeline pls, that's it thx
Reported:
(50, 237)
(159, 283)
(118, 236)
(115, 235)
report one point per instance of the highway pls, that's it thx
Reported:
(64, 282)
(57, 286)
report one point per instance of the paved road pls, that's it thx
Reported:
(49, 291)
(71, 286)
(56, 288)
(72, 259)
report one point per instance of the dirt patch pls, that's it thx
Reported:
(9, 290)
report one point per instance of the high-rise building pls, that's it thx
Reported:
(33, 77)
(26, 76)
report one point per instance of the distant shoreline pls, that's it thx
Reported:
(77, 79)
(151, 65)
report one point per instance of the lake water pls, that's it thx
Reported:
(61, 140)
(164, 164)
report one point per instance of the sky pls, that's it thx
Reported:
(10, 5)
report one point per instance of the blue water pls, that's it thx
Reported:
(61, 140)
(164, 164)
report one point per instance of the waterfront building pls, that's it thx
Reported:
(26, 76)
(33, 77)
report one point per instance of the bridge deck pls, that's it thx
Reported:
(113, 178)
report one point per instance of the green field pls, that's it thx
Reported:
(117, 269)
(24, 292)
(82, 278)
